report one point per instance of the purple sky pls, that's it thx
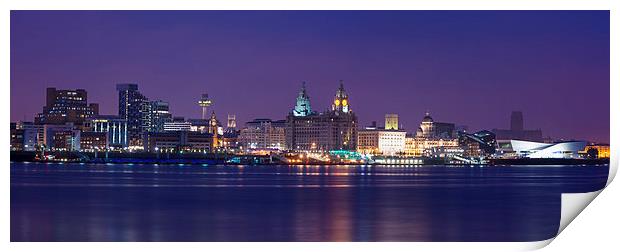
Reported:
(468, 67)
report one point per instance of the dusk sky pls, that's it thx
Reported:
(468, 67)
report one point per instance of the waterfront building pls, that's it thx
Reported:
(93, 141)
(209, 126)
(175, 141)
(61, 137)
(336, 129)
(133, 107)
(302, 103)
(230, 140)
(420, 147)
(429, 129)
(479, 144)
(601, 150)
(381, 141)
(199, 125)
(66, 106)
(26, 136)
(17, 138)
(517, 130)
(388, 141)
(504, 149)
(529, 149)
(33, 135)
(263, 134)
(158, 114)
(177, 126)
(162, 141)
(114, 127)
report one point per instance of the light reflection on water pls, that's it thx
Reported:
(91, 202)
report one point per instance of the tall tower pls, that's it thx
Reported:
(391, 121)
(204, 103)
(213, 130)
(516, 121)
(341, 100)
(132, 107)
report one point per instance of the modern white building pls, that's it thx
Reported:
(381, 141)
(547, 150)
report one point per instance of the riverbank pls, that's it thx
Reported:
(215, 159)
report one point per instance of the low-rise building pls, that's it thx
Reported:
(528, 149)
(177, 126)
(602, 150)
(263, 134)
(93, 141)
(479, 144)
(178, 141)
(61, 137)
(114, 127)
(382, 141)
(419, 146)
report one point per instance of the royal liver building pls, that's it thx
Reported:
(335, 129)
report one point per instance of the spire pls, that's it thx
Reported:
(341, 94)
(303, 93)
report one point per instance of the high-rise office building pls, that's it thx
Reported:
(133, 107)
(336, 129)
(66, 106)
(159, 114)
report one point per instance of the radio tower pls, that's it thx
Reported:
(204, 103)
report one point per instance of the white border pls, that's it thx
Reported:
(587, 237)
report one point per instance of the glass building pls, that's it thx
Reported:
(132, 108)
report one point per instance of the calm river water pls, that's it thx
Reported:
(99, 202)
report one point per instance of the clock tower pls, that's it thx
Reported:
(341, 100)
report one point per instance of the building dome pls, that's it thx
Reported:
(302, 105)
(427, 118)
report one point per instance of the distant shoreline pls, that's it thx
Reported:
(141, 158)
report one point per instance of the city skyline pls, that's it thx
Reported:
(382, 74)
